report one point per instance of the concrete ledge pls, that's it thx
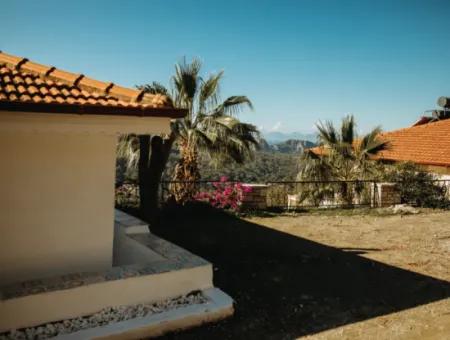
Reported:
(219, 306)
(149, 270)
(130, 224)
(36, 302)
(41, 308)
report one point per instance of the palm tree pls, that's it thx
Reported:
(343, 155)
(210, 126)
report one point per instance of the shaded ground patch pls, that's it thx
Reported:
(286, 286)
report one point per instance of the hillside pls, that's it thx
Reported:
(289, 146)
(272, 162)
(274, 137)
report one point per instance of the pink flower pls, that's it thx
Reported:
(224, 195)
(247, 189)
(228, 190)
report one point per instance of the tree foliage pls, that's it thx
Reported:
(416, 186)
(210, 127)
(345, 156)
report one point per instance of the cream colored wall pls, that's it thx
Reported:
(57, 190)
(56, 203)
(440, 171)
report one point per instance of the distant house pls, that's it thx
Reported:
(64, 251)
(426, 144)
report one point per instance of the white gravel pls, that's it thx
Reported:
(104, 317)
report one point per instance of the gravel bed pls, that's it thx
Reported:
(104, 317)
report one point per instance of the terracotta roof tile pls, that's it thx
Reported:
(23, 83)
(63, 76)
(123, 92)
(427, 144)
(92, 84)
(35, 68)
(11, 60)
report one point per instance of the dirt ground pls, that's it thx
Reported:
(418, 243)
(324, 275)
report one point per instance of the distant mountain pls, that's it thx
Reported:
(274, 137)
(289, 146)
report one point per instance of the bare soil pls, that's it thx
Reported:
(344, 274)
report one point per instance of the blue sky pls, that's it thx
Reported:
(299, 61)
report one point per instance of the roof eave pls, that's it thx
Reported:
(89, 109)
(417, 162)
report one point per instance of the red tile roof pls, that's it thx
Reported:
(318, 150)
(427, 144)
(28, 86)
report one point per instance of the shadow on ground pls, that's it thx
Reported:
(285, 286)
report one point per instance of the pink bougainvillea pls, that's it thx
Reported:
(226, 195)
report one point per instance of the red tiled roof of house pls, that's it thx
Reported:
(317, 150)
(427, 144)
(28, 86)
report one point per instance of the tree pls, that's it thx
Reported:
(210, 126)
(342, 156)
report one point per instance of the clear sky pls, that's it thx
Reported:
(298, 61)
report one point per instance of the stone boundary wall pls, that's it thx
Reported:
(382, 195)
(385, 195)
(256, 198)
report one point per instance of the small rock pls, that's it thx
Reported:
(404, 209)
(104, 317)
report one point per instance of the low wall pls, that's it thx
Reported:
(384, 195)
(256, 198)
(178, 272)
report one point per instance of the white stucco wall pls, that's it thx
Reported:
(57, 190)
(56, 203)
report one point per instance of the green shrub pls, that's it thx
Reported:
(416, 186)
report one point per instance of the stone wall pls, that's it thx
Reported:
(385, 195)
(256, 198)
(382, 195)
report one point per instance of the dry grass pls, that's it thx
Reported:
(417, 243)
(342, 274)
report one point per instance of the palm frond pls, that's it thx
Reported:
(371, 143)
(154, 88)
(186, 82)
(233, 105)
(232, 138)
(210, 91)
(348, 127)
(347, 157)
(128, 148)
(327, 134)
(315, 168)
(210, 125)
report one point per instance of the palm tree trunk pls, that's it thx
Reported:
(143, 175)
(151, 167)
(186, 174)
(346, 194)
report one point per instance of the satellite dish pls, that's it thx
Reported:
(444, 102)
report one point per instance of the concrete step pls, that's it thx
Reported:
(218, 306)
